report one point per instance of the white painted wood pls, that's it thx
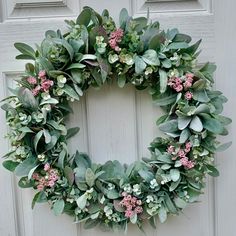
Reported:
(120, 123)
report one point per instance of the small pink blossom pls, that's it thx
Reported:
(184, 161)
(188, 95)
(128, 213)
(170, 149)
(32, 80)
(178, 80)
(178, 88)
(124, 194)
(51, 183)
(115, 38)
(190, 165)
(188, 145)
(46, 167)
(42, 74)
(36, 90)
(35, 176)
(46, 84)
(138, 210)
(139, 202)
(129, 197)
(40, 187)
(189, 76)
(181, 153)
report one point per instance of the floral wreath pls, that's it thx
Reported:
(94, 51)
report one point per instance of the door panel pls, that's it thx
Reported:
(118, 123)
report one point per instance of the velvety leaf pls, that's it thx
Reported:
(121, 80)
(27, 98)
(174, 174)
(212, 171)
(72, 132)
(163, 80)
(183, 122)
(84, 17)
(162, 214)
(25, 50)
(58, 207)
(82, 201)
(140, 65)
(10, 165)
(213, 125)
(179, 202)
(169, 126)
(151, 58)
(90, 177)
(71, 92)
(24, 167)
(69, 174)
(196, 124)
(223, 147)
(124, 16)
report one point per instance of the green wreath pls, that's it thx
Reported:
(94, 51)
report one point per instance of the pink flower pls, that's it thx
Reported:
(139, 202)
(42, 74)
(184, 161)
(35, 176)
(181, 153)
(46, 84)
(36, 90)
(51, 183)
(128, 213)
(115, 38)
(170, 149)
(189, 76)
(124, 194)
(188, 95)
(40, 187)
(178, 80)
(138, 210)
(128, 197)
(32, 80)
(46, 167)
(188, 145)
(178, 88)
(190, 165)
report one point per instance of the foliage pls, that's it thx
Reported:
(95, 51)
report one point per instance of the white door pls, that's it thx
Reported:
(120, 123)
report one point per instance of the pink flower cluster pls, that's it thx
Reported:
(115, 38)
(48, 180)
(179, 85)
(44, 85)
(132, 205)
(182, 152)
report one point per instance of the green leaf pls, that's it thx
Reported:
(170, 126)
(24, 182)
(39, 197)
(162, 214)
(177, 45)
(223, 147)
(47, 136)
(185, 134)
(123, 18)
(90, 177)
(212, 171)
(121, 80)
(69, 174)
(213, 125)
(151, 58)
(78, 90)
(84, 17)
(76, 66)
(166, 63)
(49, 101)
(37, 137)
(71, 92)
(174, 185)
(180, 203)
(25, 50)
(58, 207)
(10, 165)
(66, 45)
(163, 100)
(24, 167)
(163, 80)
(45, 64)
(202, 108)
(183, 122)
(200, 96)
(89, 223)
(196, 124)
(82, 201)
(27, 98)
(72, 132)
(140, 65)
(134, 218)
(182, 38)
(112, 194)
(174, 174)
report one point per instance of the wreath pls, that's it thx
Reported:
(92, 52)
